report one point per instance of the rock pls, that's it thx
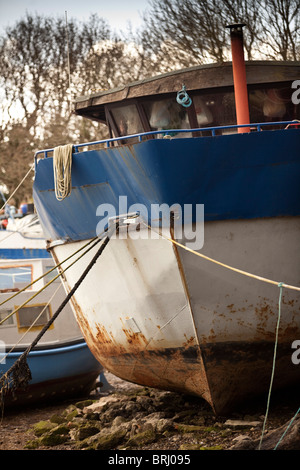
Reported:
(57, 419)
(240, 424)
(99, 405)
(104, 441)
(83, 404)
(164, 425)
(43, 426)
(290, 441)
(118, 421)
(188, 428)
(141, 438)
(242, 442)
(145, 419)
(84, 432)
(51, 440)
(272, 439)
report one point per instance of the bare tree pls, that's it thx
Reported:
(280, 32)
(194, 31)
(34, 77)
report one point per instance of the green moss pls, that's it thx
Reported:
(190, 447)
(61, 429)
(184, 428)
(32, 445)
(210, 429)
(43, 426)
(58, 419)
(84, 403)
(212, 448)
(72, 415)
(50, 439)
(107, 441)
(142, 438)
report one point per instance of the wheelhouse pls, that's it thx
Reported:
(150, 105)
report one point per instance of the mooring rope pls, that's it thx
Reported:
(21, 182)
(31, 326)
(231, 268)
(281, 285)
(46, 285)
(19, 372)
(48, 272)
(288, 427)
(273, 366)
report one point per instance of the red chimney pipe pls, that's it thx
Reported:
(239, 76)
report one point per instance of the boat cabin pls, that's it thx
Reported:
(151, 104)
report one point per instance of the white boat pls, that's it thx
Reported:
(61, 364)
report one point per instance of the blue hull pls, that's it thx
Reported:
(57, 372)
(240, 176)
(23, 253)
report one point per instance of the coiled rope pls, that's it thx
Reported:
(62, 168)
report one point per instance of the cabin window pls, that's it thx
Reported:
(167, 114)
(3, 314)
(127, 120)
(50, 275)
(40, 314)
(215, 109)
(14, 278)
(274, 103)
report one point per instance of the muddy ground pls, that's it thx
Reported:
(212, 433)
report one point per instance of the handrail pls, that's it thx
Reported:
(140, 136)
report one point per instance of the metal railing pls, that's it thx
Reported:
(253, 126)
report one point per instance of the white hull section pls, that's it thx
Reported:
(155, 314)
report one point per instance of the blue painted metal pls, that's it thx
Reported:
(23, 253)
(235, 176)
(256, 126)
(56, 363)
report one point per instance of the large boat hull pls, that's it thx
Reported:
(155, 314)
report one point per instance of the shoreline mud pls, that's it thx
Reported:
(131, 417)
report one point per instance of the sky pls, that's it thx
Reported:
(118, 13)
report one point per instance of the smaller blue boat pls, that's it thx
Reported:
(61, 364)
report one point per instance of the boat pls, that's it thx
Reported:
(188, 299)
(61, 364)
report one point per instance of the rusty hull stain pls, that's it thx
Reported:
(178, 369)
(222, 373)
